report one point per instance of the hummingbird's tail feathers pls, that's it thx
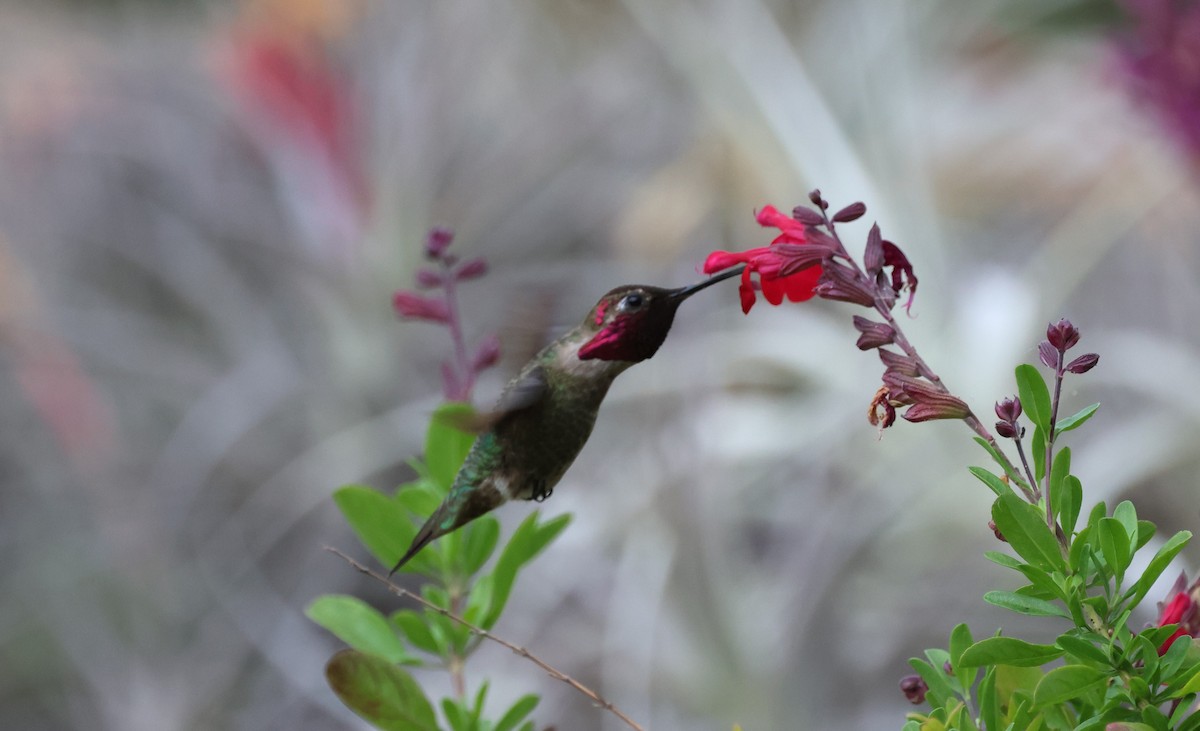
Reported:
(423, 538)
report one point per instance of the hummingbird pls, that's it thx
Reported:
(546, 412)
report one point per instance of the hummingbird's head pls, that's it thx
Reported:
(631, 322)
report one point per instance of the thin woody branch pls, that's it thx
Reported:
(549, 669)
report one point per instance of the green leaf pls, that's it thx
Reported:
(480, 538)
(1077, 419)
(380, 692)
(446, 446)
(359, 625)
(1067, 683)
(1127, 515)
(1082, 649)
(415, 630)
(1035, 397)
(1157, 565)
(456, 715)
(380, 522)
(988, 712)
(1003, 559)
(1059, 472)
(993, 451)
(522, 708)
(1008, 651)
(1174, 658)
(1145, 531)
(1114, 545)
(994, 483)
(1025, 604)
(1071, 501)
(1191, 686)
(526, 542)
(1037, 445)
(960, 640)
(1025, 529)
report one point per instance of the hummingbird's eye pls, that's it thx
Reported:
(631, 302)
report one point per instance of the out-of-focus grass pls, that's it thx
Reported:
(197, 346)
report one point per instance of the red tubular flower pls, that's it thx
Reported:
(1182, 610)
(789, 267)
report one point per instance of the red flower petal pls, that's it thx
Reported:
(746, 292)
(721, 260)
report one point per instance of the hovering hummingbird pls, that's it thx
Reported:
(546, 413)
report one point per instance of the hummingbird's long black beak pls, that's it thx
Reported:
(683, 293)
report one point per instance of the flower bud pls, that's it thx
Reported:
(815, 197)
(473, 269)
(1007, 430)
(1083, 363)
(999, 535)
(437, 240)
(1062, 335)
(1009, 409)
(840, 283)
(428, 278)
(897, 363)
(412, 306)
(874, 334)
(807, 216)
(1048, 354)
(947, 668)
(914, 689)
(852, 212)
(873, 255)
(486, 354)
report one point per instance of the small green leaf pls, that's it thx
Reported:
(1008, 651)
(994, 483)
(1157, 565)
(1035, 397)
(1025, 604)
(479, 538)
(960, 640)
(415, 630)
(522, 708)
(1067, 683)
(1082, 649)
(1191, 686)
(455, 715)
(1127, 515)
(526, 542)
(1072, 501)
(1037, 446)
(1059, 472)
(1025, 529)
(380, 522)
(993, 451)
(359, 625)
(1077, 419)
(380, 692)
(1114, 545)
(1175, 657)
(988, 713)
(1003, 559)
(1145, 531)
(446, 446)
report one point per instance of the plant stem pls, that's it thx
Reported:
(480, 632)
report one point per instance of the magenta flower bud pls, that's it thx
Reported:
(897, 363)
(473, 269)
(914, 689)
(999, 535)
(412, 306)
(437, 240)
(1009, 409)
(487, 354)
(873, 256)
(874, 334)
(852, 212)
(947, 668)
(1083, 363)
(428, 279)
(840, 283)
(1062, 335)
(1006, 430)
(807, 216)
(815, 197)
(1048, 354)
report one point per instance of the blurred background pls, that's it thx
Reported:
(205, 206)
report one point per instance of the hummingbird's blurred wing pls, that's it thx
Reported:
(521, 393)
